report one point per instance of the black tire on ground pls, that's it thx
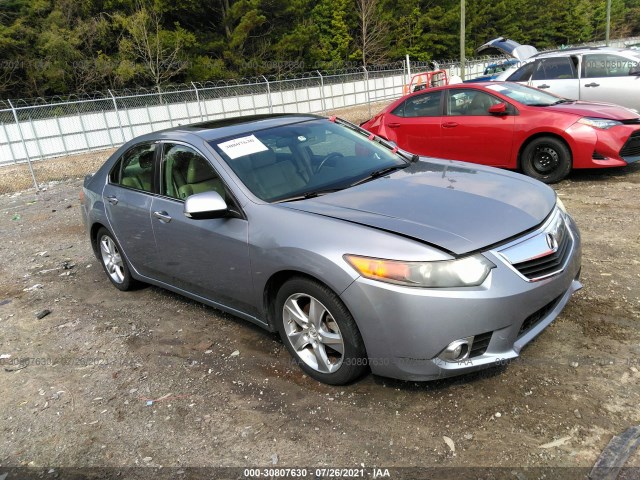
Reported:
(546, 159)
(113, 262)
(329, 347)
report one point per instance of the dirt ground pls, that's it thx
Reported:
(148, 378)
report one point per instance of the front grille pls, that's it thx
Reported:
(533, 319)
(632, 146)
(549, 264)
(480, 344)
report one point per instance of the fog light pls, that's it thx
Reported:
(457, 350)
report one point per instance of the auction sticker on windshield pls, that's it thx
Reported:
(239, 147)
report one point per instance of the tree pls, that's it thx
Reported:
(149, 50)
(372, 32)
(334, 35)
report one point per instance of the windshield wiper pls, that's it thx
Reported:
(379, 173)
(306, 195)
(563, 100)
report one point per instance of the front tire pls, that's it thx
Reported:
(113, 262)
(546, 159)
(319, 332)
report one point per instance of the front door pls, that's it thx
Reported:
(208, 257)
(470, 133)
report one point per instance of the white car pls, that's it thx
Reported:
(597, 74)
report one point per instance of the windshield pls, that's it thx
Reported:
(525, 95)
(303, 159)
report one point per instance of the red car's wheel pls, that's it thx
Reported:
(546, 159)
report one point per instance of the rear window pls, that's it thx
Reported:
(425, 105)
(135, 168)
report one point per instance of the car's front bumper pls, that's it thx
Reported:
(406, 329)
(596, 148)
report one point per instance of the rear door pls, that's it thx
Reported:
(127, 198)
(470, 133)
(557, 75)
(606, 78)
(415, 124)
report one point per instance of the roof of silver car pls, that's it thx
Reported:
(574, 50)
(226, 127)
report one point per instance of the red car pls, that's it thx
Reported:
(508, 125)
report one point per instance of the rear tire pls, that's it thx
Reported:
(113, 262)
(319, 332)
(546, 159)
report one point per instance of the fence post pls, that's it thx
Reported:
(198, 100)
(84, 130)
(408, 79)
(322, 101)
(268, 94)
(24, 145)
(115, 106)
(366, 79)
(35, 135)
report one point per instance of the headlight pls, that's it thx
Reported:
(464, 272)
(601, 123)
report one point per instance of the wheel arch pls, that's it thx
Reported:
(537, 135)
(273, 285)
(93, 236)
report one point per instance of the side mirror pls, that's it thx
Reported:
(205, 205)
(498, 109)
(635, 71)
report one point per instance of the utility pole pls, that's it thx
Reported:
(462, 35)
(608, 22)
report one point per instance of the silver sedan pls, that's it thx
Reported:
(361, 256)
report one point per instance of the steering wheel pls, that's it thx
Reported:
(324, 160)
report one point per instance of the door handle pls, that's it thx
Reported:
(544, 85)
(112, 200)
(393, 125)
(449, 125)
(162, 216)
(592, 84)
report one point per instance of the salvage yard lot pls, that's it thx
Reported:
(148, 378)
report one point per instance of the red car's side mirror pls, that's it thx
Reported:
(498, 109)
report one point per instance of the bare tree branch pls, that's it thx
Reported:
(373, 32)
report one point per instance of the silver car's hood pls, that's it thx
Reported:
(448, 204)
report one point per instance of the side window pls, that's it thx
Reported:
(135, 168)
(425, 105)
(469, 102)
(559, 68)
(606, 65)
(523, 74)
(186, 172)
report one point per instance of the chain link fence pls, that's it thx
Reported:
(53, 139)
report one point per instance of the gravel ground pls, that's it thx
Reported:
(148, 378)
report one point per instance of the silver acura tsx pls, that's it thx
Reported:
(361, 256)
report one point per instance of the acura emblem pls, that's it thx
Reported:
(552, 242)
